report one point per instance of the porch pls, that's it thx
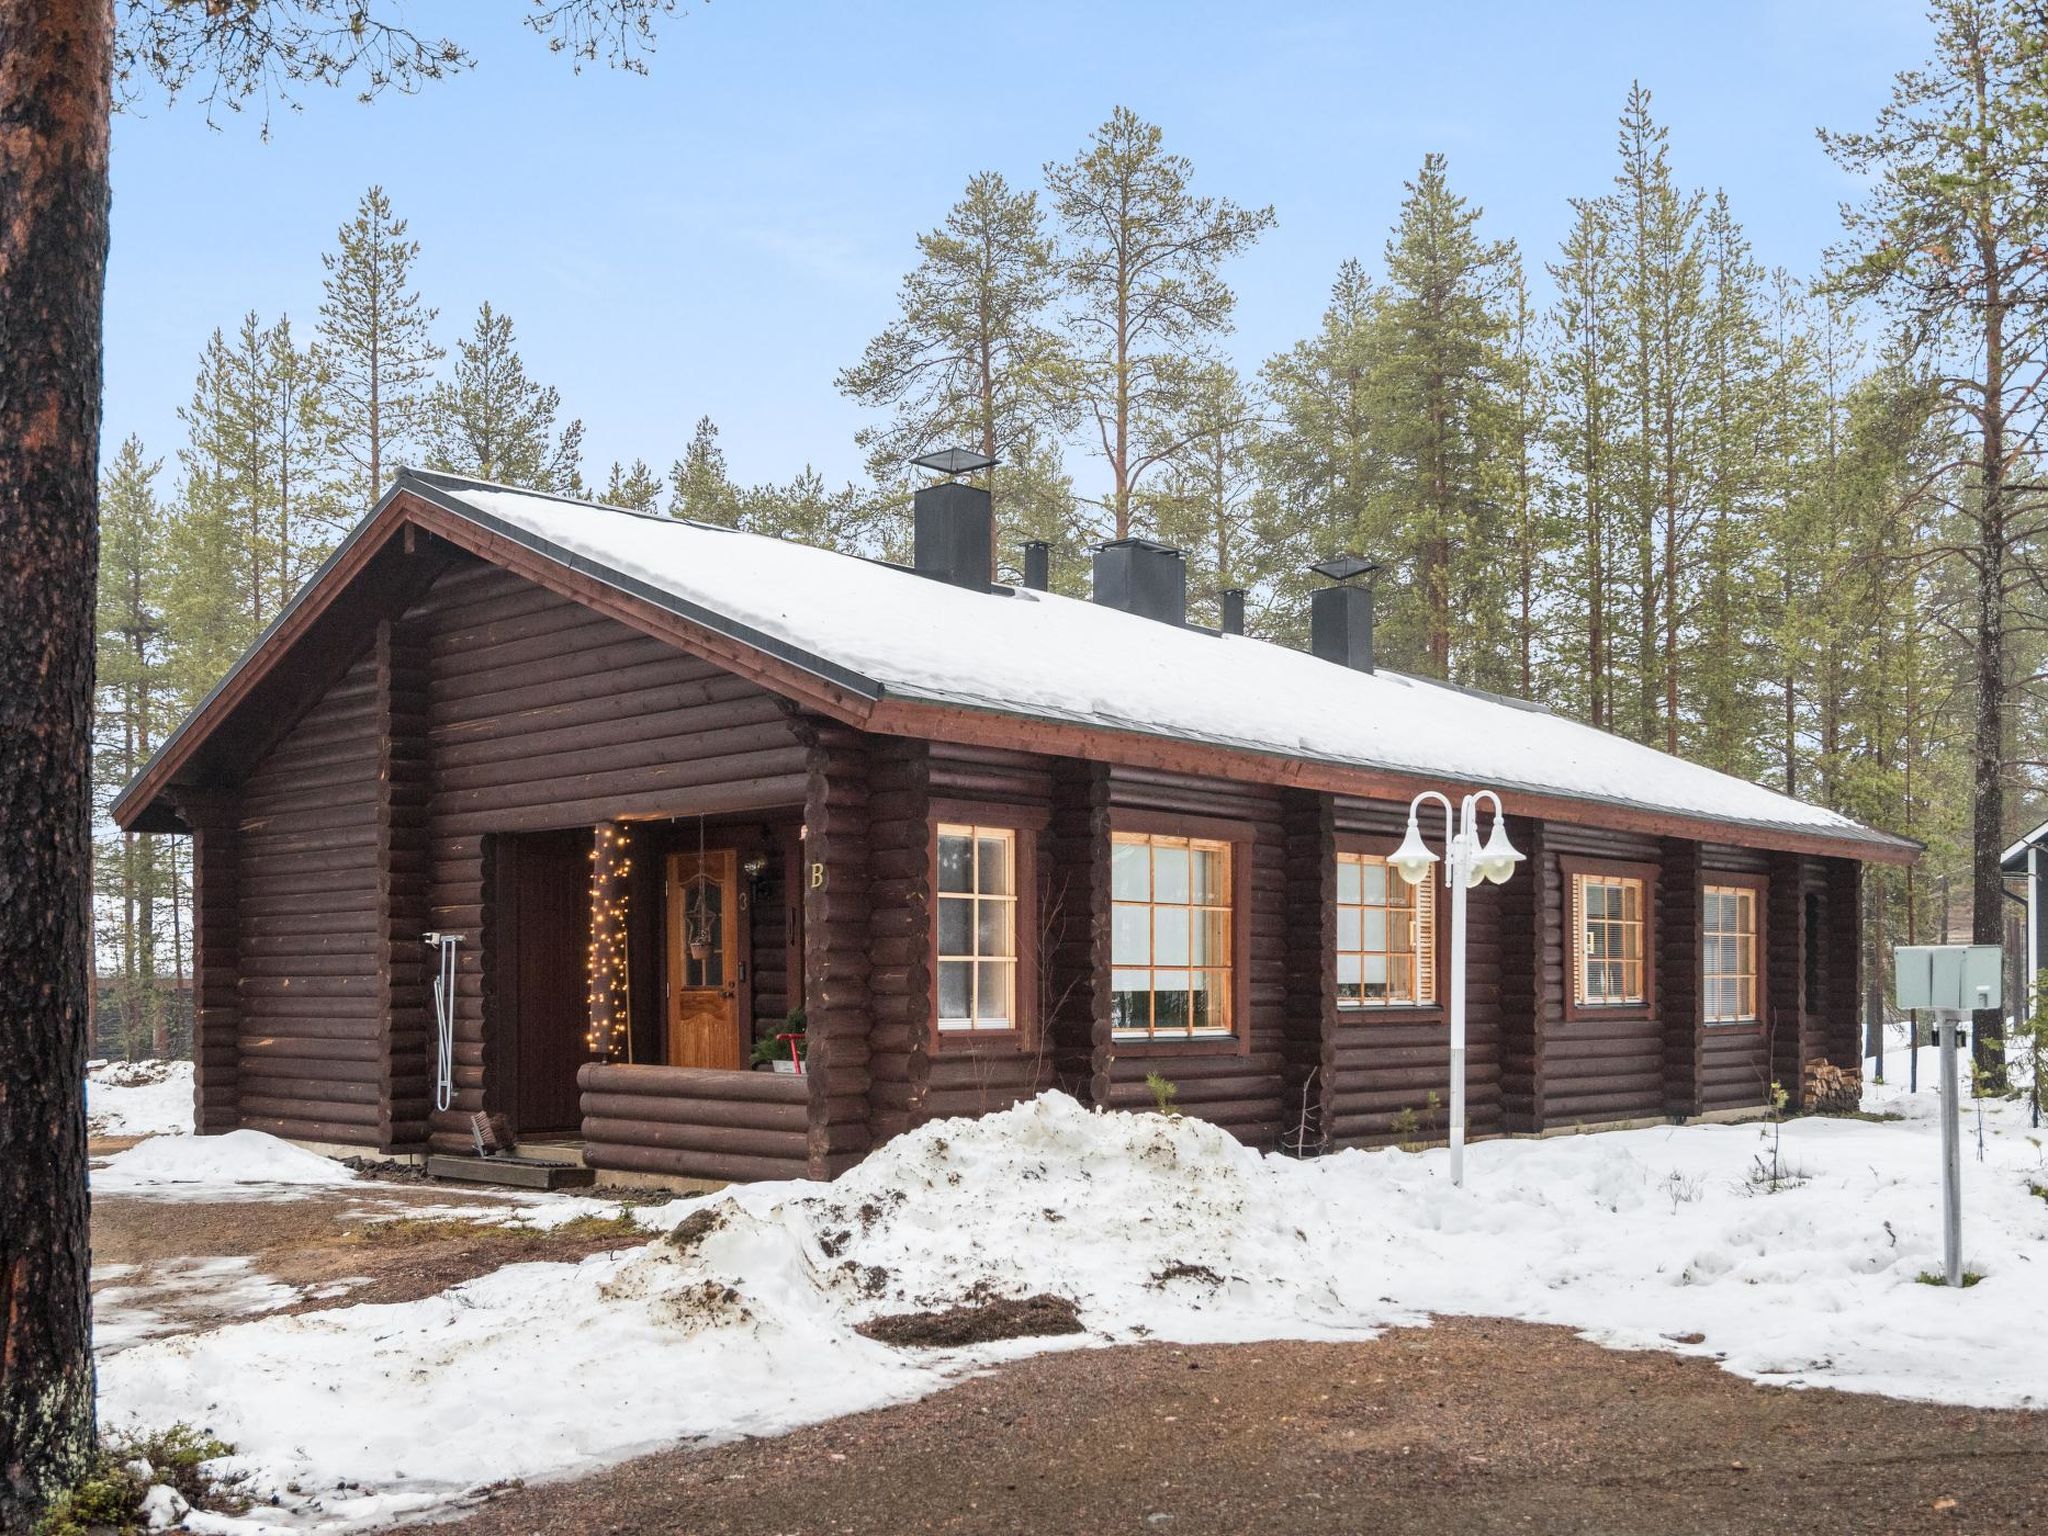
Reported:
(641, 982)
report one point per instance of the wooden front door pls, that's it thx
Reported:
(705, 960)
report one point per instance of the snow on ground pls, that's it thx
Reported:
(215, 1167)
(138, 1098)
(1157, 1228)
(146, 1304)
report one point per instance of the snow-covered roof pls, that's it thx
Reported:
(2014, 860)
(888, 633)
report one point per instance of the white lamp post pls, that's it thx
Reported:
(1465, 863)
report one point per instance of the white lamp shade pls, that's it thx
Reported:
(1413, 858)
(1497, 860)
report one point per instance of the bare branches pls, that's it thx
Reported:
(255, 55)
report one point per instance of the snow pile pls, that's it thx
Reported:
(138, 1098)
(743, 1321)
(199, 1165)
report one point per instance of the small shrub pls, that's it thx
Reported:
(108, 1497)
(1407, 1128)
(1682, 1188)
(1163, 1094)
(1936, 1277)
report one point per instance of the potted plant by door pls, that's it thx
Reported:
(783, 1051)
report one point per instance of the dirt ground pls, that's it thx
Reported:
(347, 1246)
(1469, 1426)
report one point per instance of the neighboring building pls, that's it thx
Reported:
(2027, 861)
(989, 840)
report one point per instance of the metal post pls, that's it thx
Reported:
(1456, 867)
(1951, 1150)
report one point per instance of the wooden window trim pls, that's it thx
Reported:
(1570, 867)
(1760, 885)
(1024, 824)
(1242, 838)
(1438, 1012)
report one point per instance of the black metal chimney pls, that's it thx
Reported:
(1037, 565)
(1233, 610)
(953, 525)
(1340, 615)
(953, 534)
(1143, 577)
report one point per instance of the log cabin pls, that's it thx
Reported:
(658, 789)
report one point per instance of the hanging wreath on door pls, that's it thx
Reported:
(697, 914)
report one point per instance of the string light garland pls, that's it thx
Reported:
(611, 998)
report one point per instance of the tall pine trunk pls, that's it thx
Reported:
(55, 85)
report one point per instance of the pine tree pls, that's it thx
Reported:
(133, 709)
(1325, 472)
(1438, 378)
(493, 422)
(259, 509)
(1584, 374)
(1948, 242)
(1520, 485)
(1142, 261)
(1206, 497)
(374, 333)
(699, 488)
(637, 488)
(1659, 246)
(851, 520)
(970, 360)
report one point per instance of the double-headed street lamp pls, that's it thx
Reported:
(1465, 863)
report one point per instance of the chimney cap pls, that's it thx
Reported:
(1342, 568)
(1133, 541)
(955, 461)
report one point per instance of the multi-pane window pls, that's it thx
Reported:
(1170, 938)
(1730, 954)
(977, 928)
(1609, 939)
(1386, 935)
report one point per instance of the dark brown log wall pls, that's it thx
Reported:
(216, 971)
(838, 874)
(692, 1123)
(1244, 1091)
(1529, 921)
(899, 933)
(311, 949)
(405, 997)
(1608, 1067)
(1074, 876)
(1789, 972)
(1388, 1061)
(541, 714)
(1311, 1019)
(1689, 1057)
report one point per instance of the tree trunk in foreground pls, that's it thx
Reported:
(54, 104)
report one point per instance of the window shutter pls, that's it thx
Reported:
(1425, 938)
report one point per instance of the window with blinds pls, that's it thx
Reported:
(1386, 936)
(1728, 954)
(1608, 935)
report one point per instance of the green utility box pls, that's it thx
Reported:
(1952, 976)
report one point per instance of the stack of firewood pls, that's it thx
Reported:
(1830, 1090)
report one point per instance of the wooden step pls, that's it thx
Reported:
(514, 1172)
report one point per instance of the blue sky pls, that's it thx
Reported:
(721, 236)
